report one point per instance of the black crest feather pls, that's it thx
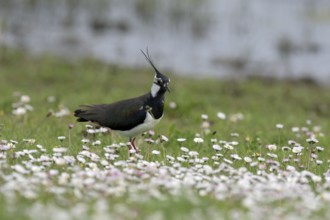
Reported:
(148, 58)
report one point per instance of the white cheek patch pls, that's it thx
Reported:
(154, 89)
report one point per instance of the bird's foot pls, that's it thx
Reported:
(132, 148)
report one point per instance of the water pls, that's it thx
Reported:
(285, 39)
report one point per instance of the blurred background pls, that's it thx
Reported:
(236, 38)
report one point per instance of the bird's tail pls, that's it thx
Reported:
(82, 115)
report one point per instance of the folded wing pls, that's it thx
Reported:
(121, 115)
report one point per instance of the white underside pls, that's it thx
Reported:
(148, 124)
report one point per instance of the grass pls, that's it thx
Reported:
(262, 102)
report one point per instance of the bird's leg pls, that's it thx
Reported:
(131, 140)
(132, 145)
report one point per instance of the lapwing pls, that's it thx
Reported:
(130, 117)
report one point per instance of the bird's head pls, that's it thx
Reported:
(161, 82)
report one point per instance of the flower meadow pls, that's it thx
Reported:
(251, 149)
(89, 173)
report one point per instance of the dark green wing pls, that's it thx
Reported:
(122, 115)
